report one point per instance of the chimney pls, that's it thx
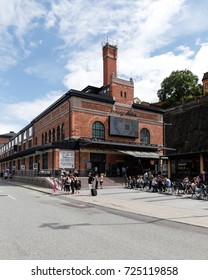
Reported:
(109, 61)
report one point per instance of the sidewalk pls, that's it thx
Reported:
(160, 206)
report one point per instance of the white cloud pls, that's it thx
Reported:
(16, 19)
(154, 37)
(14, 116)
(85, 68)
(199, 65)
(152, 25)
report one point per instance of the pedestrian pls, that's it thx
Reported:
(72, 183)
(62, 180)
(76, 172)
(10, 175)
(67, 184)
(5, 175)
(202, 178)
(101, 179)
(54, 185)
(118, 171)
(167, 184)
(96, 180)
(77, 185)
(90, 181)
(123, 170)
(2, 175)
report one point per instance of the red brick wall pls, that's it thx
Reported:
(109, 63)
(52, 120)
(4, 140)
(122, 92)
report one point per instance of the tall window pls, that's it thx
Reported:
(98, 131)
(49, 136)
(46, 137)
(42, 139)
(62, 131)
(54, 135)
(45, 161)
(30, 163)
(58, 133)
(144, 136)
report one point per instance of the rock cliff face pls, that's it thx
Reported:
(189, 130)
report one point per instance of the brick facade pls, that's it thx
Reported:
(79, 123)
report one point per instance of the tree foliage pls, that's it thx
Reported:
(179, 87)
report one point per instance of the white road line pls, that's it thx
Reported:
(11, 197)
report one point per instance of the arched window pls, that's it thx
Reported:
(46, 137)
(49, 136)
(58, 133)
(98, 131)
(42, 138)
(54, 135)
(144, 136)
(62, 131)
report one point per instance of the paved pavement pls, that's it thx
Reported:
(182, 209)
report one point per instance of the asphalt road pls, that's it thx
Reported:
(35, 225)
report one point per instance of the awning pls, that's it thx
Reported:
(140, 154)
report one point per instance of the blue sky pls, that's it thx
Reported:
(48, 47)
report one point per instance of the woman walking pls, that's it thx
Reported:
(101, 180)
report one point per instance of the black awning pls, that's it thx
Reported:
(139, 154)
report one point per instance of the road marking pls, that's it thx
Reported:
(11, 197)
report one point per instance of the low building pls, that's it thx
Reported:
(187, 134)
(98, 127)
(4, 138)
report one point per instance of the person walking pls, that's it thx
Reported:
(5, 175)
(77, 185)
(54, 185)
(90, 181)
(72, 183)
(96, 180)
(67, 184)
(101, 179)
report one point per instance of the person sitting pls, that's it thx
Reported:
(130, 182)
(154, 184)
(140, 182)
(167, 184)
(160, 185)
(187, 185)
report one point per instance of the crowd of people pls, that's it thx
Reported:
(195, 186)
(69, 182)
(160, 183)
(154, 183)
(6, 175)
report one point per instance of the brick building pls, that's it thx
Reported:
(4, 138)
(104, 127)
(188, 136)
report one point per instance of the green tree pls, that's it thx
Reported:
(179, 87)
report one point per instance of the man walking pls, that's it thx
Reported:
(90, 181)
